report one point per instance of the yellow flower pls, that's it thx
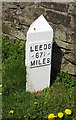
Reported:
(26, 118)
(0, 85)
(60, 114)
(68, 111)
(0, 93)
(35, 103)
(11, 111)
(73, 118)
(51, 116)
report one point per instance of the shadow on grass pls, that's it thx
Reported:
(57, 55)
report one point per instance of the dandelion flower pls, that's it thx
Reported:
(51, 116)
(68, 111)
(11, 111)
(73, 118)
(35, 103)
(60, 114)
(0, 85)
(0, 93)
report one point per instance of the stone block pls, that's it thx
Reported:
(33, 13)
(6, 29)
(57, 18)
(24, 4)
(69, 68)
(56, 6)
(19, 35)
(71, 58)
(59, 37)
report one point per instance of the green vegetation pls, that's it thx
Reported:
(17, 103)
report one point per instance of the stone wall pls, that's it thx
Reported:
(17, 17)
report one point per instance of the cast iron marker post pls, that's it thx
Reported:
(38, 55)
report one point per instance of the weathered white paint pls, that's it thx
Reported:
(38, 65)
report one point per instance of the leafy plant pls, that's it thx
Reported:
(65, 79)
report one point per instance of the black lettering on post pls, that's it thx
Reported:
(33, 63)
(44, 60)
(49, 46)
(40, 47)
(48, 60)
(39, 62)
(45, 46)
(44, 53)
(41, 54)
(36, 47)
(36, 62)
(37, 55)
(31, 50)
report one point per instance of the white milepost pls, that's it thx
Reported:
(38, 55)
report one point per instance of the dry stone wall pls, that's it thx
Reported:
(17, 17)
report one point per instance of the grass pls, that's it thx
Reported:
(51, 100)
